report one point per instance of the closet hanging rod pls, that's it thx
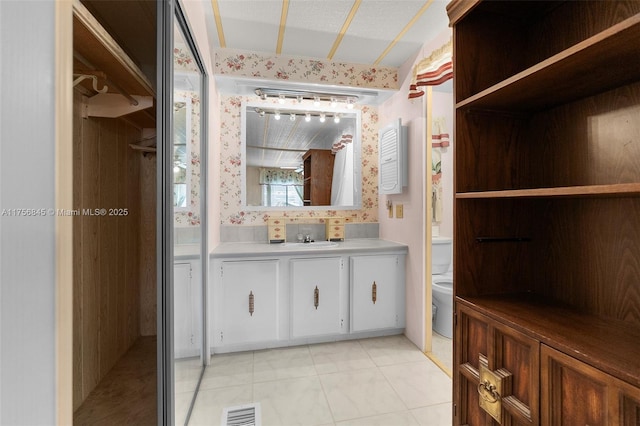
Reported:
(81, 77)
(110, 83)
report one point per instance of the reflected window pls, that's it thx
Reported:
(281, 187)
(281, 196)
(181, 174)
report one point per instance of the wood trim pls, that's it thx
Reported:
(403, 31)
(282, 27)
(427, 111)
(218, 19)
(458, 9)
(343, 30)
(64, 200)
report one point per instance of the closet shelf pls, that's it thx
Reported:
(586, 191)
(602, 62)
(97, 53)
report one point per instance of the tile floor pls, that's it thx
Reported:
(377, 381)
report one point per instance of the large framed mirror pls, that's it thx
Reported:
(300, 156)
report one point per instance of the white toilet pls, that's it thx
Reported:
(442, 285)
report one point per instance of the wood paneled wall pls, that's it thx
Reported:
(107, 249)
(148, 271)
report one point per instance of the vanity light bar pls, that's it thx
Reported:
(277, 113)
(316, 97)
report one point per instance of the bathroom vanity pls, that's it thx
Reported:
(187, 297)
(273, 295)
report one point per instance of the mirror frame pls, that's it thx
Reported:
(305, 107)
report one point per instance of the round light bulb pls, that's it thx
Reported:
(281, 99)
(322, 118)
(316, 101)
(336, 119)
(307, 117)
(277, 115)
(292, 117)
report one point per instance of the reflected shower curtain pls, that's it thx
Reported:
(342, 185)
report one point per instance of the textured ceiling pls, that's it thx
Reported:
(374, 32)
(281, 143)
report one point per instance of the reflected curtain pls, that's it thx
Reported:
(440, 140)
(282, 177)
(342, 183)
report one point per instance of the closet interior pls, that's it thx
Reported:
(114, 193)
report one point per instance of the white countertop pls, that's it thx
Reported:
(186, 251)
(353, 246)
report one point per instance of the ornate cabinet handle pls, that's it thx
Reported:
(488, 392)
(316, 297)
(490, 388)
(251, 303)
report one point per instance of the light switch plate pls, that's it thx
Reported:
(399, 211)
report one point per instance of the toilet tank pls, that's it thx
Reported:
(440, 254)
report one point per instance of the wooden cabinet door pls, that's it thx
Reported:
(315, 296)
(504, 351)
(248, 305)
(377, 293)
(575, 393)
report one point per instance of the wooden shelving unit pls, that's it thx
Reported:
(547, 211)
(318, 177)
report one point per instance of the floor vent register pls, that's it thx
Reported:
(242, 415)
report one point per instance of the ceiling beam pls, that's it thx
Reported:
(283, 23)
(406, 28)
(218, 19)
(343, 30)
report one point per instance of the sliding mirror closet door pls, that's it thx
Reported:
(189, 231)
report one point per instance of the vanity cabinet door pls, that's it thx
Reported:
(248, 302)
(315, 296)
(183, 322)
(377, 292)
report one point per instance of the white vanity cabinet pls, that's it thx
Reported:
(316, 285)
(273, 295)
(377, 292)
(187, 330)
(246, 302)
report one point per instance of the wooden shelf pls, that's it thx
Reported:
(609, 345)
(95, 44)
(586, 191)
(599, 63)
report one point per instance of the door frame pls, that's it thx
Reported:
(63, 46)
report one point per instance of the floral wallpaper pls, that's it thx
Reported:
(257, 65)
(231, 169)
(183, 61)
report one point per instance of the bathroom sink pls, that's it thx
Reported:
(312, 245)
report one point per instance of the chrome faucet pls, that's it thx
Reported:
(307, 238)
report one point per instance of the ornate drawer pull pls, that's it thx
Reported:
(251, 303)
(374, 292)
(488, 392)
(316, 297)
